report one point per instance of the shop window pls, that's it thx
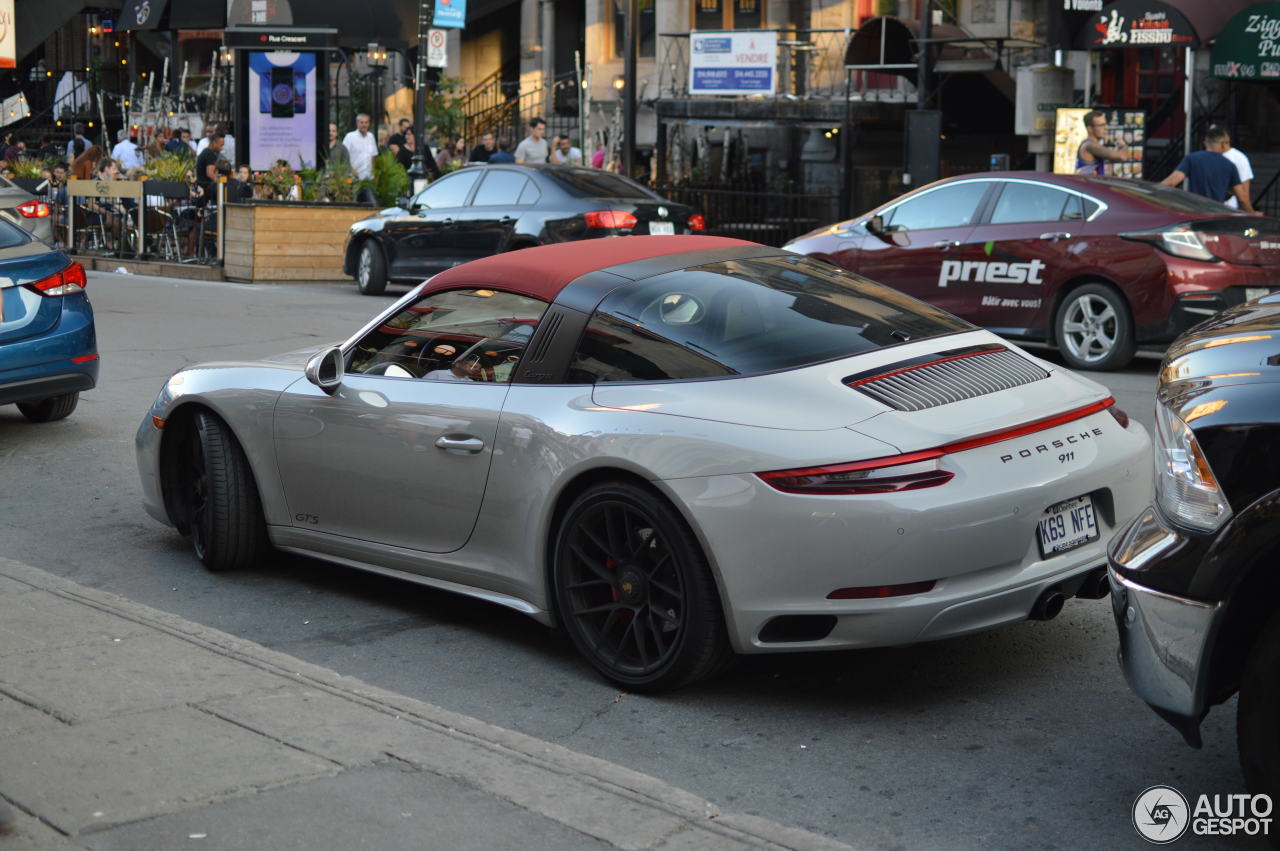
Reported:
(728, 14)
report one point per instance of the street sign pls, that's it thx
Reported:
(436, 55)
(451, 13)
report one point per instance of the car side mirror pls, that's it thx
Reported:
(405, 204)
(326, 368)
(875, 225)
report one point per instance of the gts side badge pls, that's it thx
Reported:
(309, 519)
(990, 272)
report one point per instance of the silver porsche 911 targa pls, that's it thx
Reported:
(676, 448)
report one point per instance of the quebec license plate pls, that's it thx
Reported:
(1067, 525)
(661, 228)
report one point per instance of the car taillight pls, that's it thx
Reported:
(911, 471)
(1178, 241)
(880, 592)
(69, 281)
(1119, 415)
(610, 219)
(34, 209)
(697, 222)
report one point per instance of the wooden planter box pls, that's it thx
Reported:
(270, 242)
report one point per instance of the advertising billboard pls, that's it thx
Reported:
(282, 107)
(732, 63)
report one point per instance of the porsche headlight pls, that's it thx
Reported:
(1186, 488)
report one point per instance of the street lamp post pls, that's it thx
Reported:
(629, 35)
(417, 171)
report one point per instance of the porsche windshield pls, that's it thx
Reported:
(772, 313)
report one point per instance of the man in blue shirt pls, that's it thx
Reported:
(1211, 174)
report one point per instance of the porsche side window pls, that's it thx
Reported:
(1032, 202)
(459, 335)
(949, 206)
(449, 191)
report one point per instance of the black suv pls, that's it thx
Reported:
(1195, 581)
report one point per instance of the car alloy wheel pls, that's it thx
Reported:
(1094, 329)
(634, 591)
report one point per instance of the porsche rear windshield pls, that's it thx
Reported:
(748, 317)
(590, 183)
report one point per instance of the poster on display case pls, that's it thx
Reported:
(282, 109)
(1127, 126)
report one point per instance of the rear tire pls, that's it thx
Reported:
(1094, 329)
(48, 410)
(226, 525)
(634, 591)
(1258, 716)
(371, 269)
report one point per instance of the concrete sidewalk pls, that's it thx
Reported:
(123, 727)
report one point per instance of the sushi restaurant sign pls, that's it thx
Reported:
(1248, 48)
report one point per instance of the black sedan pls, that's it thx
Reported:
(1194, 582)
(483, 210)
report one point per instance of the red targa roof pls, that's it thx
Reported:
(543, 271)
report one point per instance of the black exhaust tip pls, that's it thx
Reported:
(1048, 605)
(1095, 585)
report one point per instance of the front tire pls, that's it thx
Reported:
(371, 269)
(1094, 329)
(634, 591)
(48, 410)
(226, 525)
(1258, 716)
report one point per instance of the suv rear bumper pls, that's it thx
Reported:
(35, 389)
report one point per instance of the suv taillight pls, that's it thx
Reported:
(34, 209)
(69, 281)
(610, 219)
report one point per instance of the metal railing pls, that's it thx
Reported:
(758, 213)
(493, 106)
(810, 63)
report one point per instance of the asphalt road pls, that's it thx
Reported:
(1022, 737)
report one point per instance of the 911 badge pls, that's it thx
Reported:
(990, 272)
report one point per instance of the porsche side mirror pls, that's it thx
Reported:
(326, 368)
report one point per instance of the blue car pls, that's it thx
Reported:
(48, 348)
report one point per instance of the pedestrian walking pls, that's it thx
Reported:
(564, 153)
(361, 147)
(1095, 152)
(1243, 168)
(502, 155)
(1210, 173)
(534, 147)
(481, 152)
(126, 150)
(337, 152)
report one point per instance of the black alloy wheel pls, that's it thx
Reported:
(634, 591)
(371, 269)
(221, 498)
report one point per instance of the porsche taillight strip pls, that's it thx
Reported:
(785, 480)
(951, 378)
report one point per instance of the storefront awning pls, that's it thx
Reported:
(1248, 48)
(1157, 23)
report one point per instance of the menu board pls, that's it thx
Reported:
(1127, 125)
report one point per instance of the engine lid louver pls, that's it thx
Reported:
(945, 377)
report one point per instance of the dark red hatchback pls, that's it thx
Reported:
(1094, 265)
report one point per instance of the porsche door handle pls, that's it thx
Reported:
(459, 444)
(946, 244)
(1056, 235)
